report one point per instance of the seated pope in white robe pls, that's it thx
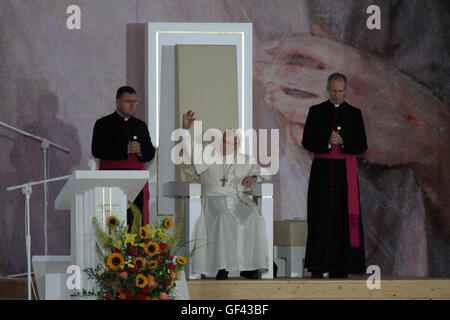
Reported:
(230, 232)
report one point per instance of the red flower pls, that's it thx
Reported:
(119, 290)
(158, 259)
(171, 257)
(166, 283)
(141, 296)
(145, 290)
(134, 252)
(163, 245)
(108, 283)
(109, 297)
(171, 266)
(116, 250)
(135, 268)
(164, 253)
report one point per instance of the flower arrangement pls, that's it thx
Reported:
(138, 264)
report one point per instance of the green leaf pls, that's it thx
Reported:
(101, 235)
(100, 251)
(137, 218)
(175, 237)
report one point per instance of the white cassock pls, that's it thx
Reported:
(230, 232)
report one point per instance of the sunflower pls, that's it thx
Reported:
(143, 233)
(153, 264)
(115, 261)
(112, 221)
(141, 281)
(152, 248)
(168, 223)
(181, 260)
(140, 263)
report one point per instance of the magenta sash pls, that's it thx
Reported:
(352, 187)
(132, 163)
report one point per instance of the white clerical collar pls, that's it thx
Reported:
(335, 105)
(125, 118)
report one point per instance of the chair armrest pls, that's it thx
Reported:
(174, 189)
(264, 189)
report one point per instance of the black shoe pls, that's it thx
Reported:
(317, 275)
(222, 275)
(250, 274)
(338, 275)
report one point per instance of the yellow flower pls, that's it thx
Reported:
(116, 242)
(163, 235)
(140, 263)
(168, 223)
(141, 244)
(181, 260)
(112, 221)
(129, 237)
(152, 248)
(141, 281)
(153, 264)
(115, 261)
(144, 233)
(153, 232)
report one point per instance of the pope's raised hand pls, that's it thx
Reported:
(188, 119)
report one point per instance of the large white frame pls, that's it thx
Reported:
(169, 35)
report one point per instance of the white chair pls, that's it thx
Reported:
(191, 192)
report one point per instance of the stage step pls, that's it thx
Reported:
(306, 288)
(15, 289)
(288, 289)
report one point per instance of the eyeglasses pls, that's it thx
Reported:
(130, 101)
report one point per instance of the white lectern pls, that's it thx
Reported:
(89, 194)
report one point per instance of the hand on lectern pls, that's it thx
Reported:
(188, 119)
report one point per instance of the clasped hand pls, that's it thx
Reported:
(335, 138)
(134, 147)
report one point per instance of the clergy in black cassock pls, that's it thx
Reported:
(122, 142)
(334, 131)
